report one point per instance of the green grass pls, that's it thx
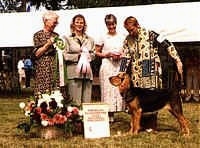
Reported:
(167, 136)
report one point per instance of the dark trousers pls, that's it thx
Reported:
(28, 77)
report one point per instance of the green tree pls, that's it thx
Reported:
(73, 4)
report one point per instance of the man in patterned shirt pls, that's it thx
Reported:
(141, 53)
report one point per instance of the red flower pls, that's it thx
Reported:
(68, 114)
(56, 118)
(59, 119)
(38, 110)
(62, 119)
(50, 122)
(75, 110)
(43, 116)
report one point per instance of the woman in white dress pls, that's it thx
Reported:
(109, 48)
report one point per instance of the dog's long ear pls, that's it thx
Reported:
(115, 80)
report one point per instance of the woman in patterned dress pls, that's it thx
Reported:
(109, 48)
(45, 54)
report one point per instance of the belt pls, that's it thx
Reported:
(71, 62)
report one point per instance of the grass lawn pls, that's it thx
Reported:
(167, 135)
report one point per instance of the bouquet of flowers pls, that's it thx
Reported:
(50, 110)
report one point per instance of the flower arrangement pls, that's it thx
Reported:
(52, 110)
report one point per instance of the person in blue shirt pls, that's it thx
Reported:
(28, 66)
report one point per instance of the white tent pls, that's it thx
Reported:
(180, 22)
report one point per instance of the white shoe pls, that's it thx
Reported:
(111, 119)
(149, 130)
(188, 98)
(196, 98)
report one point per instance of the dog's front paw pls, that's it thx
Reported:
(131, 132)
(135, 132)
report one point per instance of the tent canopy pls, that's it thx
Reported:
(179, 22)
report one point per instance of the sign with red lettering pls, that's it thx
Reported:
(96, 121)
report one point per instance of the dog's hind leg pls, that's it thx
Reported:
(183, 122)
(136, 112)
(184, 125)
(177, 111)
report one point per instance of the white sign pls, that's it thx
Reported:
(96, 121)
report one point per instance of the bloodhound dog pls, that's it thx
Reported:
(142, 100)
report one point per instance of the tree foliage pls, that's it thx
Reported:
(111, 3)
(20, 5)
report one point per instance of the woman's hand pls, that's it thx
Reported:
(51, 41)
(45, 47)
(116, 56)
(107, 55)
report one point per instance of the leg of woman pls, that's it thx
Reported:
(75, 86)
(87, 91)
(196, 86)
(111, 117)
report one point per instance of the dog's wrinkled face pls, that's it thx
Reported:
(122, 81)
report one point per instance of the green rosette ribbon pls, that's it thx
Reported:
(59, 43)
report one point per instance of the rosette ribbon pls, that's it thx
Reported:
(60, 66)
(59, 43)
(83, 66)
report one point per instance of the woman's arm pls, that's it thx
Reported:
(98, 52)
(44, 48)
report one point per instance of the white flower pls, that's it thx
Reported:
(57, 92)
(44, 122)
(22, 105)
(40, 101)
(46, 96)
(80, 113)
(60, 105)
(70, 108)
(59, 99)
(53, 95)
(27, 113)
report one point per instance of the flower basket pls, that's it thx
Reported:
(50, 132)
(52, 116)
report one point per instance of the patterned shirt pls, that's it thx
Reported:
(142, 52)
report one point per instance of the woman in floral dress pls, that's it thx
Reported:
(109, 47)
(45, 54)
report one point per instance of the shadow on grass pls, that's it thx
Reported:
(16, 94)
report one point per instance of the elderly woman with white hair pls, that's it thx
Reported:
(45, 54)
